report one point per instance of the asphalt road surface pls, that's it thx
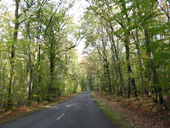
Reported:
(80, 111)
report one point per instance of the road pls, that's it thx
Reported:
(80, 111)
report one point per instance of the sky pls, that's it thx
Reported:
(77, 12)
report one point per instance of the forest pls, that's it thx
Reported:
(127, 50)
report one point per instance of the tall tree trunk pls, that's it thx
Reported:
(106, 63)
(117, 59)
(136, 40)
(32, 72)
(108, 76)
(15, 36)
(114, 69)
(39, 51)
(151, 58)
(105, 76)
(127, 42)
(1, 77)
(153, 67)
(39, 72)
(111, 37)
(131, 79)
(29, 77)
(52, 57)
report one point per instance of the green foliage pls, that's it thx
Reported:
(129, 29)
(41, 56)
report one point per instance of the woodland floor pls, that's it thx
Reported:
(139, 113)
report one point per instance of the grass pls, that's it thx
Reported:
(38, 108)
(117, 121)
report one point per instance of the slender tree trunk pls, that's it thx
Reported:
(1, 78)
(32, 73)
(118, 61)
(11, 84)
(151, 58)
(39, 52)
(129, 68)
(108, 77)
(105, 76)
(114, 69)
(136, 40)
(102, 59)
(106, 63)
(153, 67)
(52, 57)
(131, 79)
(111, 37)
(39, 72)
(28, 58)
(29, 68)
(127, 42)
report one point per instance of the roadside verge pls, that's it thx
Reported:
(113, 116)
(137, 112)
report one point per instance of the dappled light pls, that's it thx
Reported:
(52, 50)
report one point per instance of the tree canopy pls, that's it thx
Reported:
(126, 51)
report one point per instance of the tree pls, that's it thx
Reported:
(15, 36)
(141, 28)
(37, 47)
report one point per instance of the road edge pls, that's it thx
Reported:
(110, 114)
